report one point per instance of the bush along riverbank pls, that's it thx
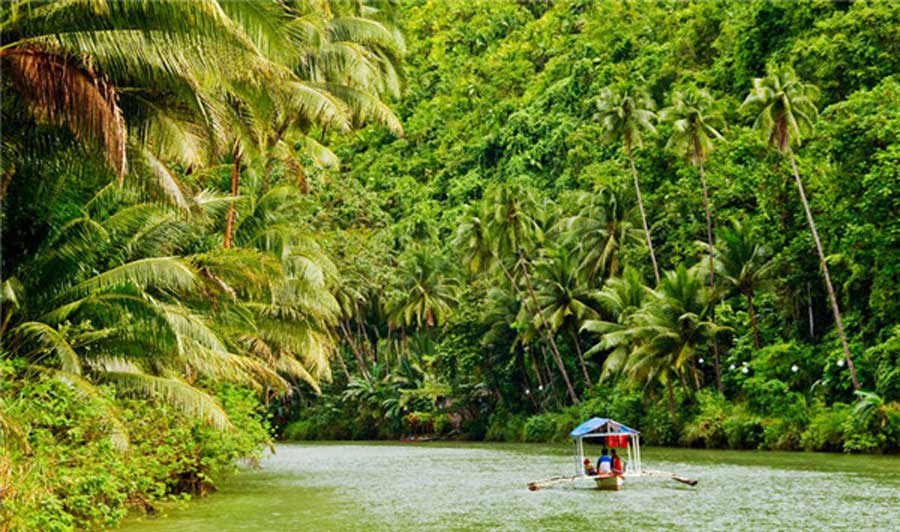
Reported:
(79, 461)
(782, 421)
(762, 410)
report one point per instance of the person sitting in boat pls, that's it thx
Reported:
(616, 463)
(588, 468)
(604, 463)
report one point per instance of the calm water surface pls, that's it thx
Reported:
(431, 487)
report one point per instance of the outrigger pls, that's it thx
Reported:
(612, 434)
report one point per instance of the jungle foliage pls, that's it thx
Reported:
(225, 222)
(532, 127)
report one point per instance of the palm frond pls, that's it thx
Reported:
(190, 400)
(65, 94)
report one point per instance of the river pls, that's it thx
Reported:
(459, 486)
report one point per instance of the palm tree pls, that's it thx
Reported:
(693, 131)
(745, 265)
(604, 224)
(663, 335)
(563, 297)
(871, 407)
(472, 239)
(626, 115)
(620, 298)
(111, 298)
(512, 226)
(67, 63)
(161, 82)
(426, 292)
(785, 112)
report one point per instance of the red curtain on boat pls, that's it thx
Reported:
(618, 440)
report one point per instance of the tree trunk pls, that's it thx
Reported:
(587, 377)
(712, 271)
(834, 304)
(809, 308)
(340, 358)
(528, 384)
(356, 352)
(537, 369)
(696, 373)
(548, 335)
(671, 397)
(637, 190)
(753, 326)
(235, 178)
(7, 179)
(546, 327)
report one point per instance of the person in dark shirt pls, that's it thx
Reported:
(604, 463)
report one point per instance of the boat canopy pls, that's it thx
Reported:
(601, 425)
(613, 434)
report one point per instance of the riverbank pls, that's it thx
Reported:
(764, 414)
(81, 462)
(388, 486)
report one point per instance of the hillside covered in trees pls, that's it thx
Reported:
(227, 222)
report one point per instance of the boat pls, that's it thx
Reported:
(613, 435)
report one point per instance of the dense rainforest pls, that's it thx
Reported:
(230, 222)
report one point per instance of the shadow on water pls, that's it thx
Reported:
(465, 486)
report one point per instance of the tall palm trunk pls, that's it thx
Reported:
(545, 327)
(553, 348)
(235, 179)
(712, 267)
(356, 350)
(343, 364)
(671, 394)
(637, 190)
(587, 377)
(537, 369)
(834, 304)
(752, 311)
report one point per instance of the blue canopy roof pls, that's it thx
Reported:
(601, 424)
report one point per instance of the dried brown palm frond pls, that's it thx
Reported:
(61, 92)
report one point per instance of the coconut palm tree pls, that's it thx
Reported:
(785, 112)
(626, 115)
(426, 292)
(512, 226)
(194, 82)
(473, 240)
(604, 224)
(67, 63)
(563, 297)
(111, 297)
(620, 298)
(744, 264)
(694, 124)
(665, 332)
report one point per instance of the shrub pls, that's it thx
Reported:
(540, 428)
(76, 478)
(504, 426)
(825, 431)
(708, 427)
(743, 430)
(884, 359)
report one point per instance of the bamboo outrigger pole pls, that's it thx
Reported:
(673, 476)
(538, 484)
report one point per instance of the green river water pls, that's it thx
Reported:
(430, 487)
